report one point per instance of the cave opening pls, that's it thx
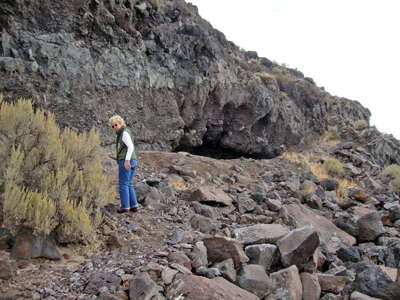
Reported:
(214, 150)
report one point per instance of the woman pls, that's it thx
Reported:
(126, 158)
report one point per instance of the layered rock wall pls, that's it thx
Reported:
(177, 81)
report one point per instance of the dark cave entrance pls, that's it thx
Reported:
(214, 150)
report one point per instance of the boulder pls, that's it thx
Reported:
(208, 272)
(221, 248)
(201, 288)
(351, 254)
(286, 284)
(298, 246)
(359, 195)
(359, 296)
(204, 210)
(6, 270)
(332, 283)
(311, 287)
(370, 280)
(370, 227)
(168, 275)
(265, 255)
(328, 233)
(203, 224)
(99, 280)
(180, 258)
(28, 245)
(211, 195)
(143, 287)
(329, 184)
(254, 279)
(227, 269)
(260, 233)
(199, 255)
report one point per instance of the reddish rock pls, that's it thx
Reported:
(201, 288)
(208, 194)
(113, 242)
(359, 195)
(180, 259)
(298, 246)
(221, 248)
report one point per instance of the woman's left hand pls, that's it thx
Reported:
(127, 165)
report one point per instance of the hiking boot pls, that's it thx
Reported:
(122, 210)
(133, 209)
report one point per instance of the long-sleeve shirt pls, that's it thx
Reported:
(127, 140)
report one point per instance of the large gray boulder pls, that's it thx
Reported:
(370, 227)
(260, 233)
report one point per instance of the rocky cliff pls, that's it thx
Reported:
(178, 82)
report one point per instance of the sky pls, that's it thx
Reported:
(349, 47)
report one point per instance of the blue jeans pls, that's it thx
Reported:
(127, 193)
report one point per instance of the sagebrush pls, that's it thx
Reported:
(51, 181)
(392, 173)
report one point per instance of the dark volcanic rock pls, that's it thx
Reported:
(370, 279)
(178, 82)
(352, 254)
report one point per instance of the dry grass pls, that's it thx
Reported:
(330, 138)
(321, 171)
(293, 157)
(334, 167)
(179, 186)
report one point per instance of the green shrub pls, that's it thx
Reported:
(50, 181)
(334, 167)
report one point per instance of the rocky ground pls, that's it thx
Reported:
(229, 229)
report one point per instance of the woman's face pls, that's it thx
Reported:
(115, 125)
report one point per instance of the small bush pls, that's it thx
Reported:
(360, 124)
(392, 175)
(395, 185)
(50, 181)
(392, 171)
(334, 167)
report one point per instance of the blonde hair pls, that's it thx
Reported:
(118, 119)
